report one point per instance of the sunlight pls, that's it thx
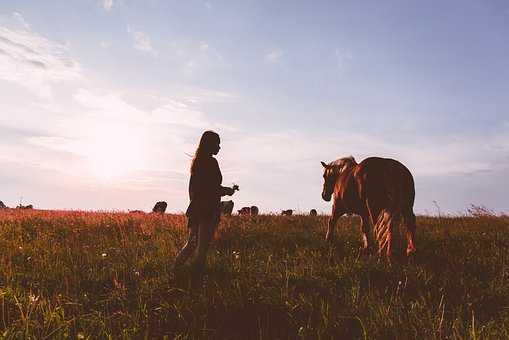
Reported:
(115, 151)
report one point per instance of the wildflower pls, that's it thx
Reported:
(80, 336)
(33, 298)
(301, 331)
(104, 254)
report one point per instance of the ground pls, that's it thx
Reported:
(94, 275)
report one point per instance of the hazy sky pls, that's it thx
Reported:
(103, 101)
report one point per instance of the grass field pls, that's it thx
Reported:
(87, 275)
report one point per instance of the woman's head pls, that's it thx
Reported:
(209, 145)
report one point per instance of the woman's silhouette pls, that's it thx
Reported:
(205, 191)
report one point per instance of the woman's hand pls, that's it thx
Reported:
(232, 190)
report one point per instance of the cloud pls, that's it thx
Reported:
(449, 156)
(194, 95)
(273, 56)
(146, 124)
(182, 109)
(142, 42)
(114, 107)
(279, 162)
(26, 152)
(107, 4)
(178, 113)
(74, 124)
(18, 17)
(109, 105)
(85, 119)
(105, 44)
(34, 62)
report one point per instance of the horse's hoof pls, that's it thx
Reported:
(410, 252)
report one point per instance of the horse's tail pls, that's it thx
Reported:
(387, 231)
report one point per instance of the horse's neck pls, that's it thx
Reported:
(345, 188)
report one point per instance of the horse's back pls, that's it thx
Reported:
(385, 182)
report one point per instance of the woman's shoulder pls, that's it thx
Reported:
(207, 163)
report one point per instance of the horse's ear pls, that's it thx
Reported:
(324, 165)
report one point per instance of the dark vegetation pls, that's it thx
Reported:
(95, 275)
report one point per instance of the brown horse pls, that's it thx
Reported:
(380, 190)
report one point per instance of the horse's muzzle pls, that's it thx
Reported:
(326, 197)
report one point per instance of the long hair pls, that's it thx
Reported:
(207, 141)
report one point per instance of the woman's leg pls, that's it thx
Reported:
(205, 234)
(190, 245)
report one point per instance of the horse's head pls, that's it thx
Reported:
(331, 173)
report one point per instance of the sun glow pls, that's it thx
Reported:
(115, 151)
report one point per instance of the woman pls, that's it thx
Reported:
(205, 193)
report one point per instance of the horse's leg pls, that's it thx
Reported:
(395, 247)
(379, 220)
(366, 238)
(409, 220)
(332, 225)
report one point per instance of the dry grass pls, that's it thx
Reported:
(97, 275)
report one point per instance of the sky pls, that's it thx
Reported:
(104, 101)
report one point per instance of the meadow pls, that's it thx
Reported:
(90, 275)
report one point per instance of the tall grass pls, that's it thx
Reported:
(90, 275)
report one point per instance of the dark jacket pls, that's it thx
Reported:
(205, 189)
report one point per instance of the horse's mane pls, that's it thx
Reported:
(338, 162)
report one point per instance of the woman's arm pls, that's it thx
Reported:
(227, 191)
(206, 182)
